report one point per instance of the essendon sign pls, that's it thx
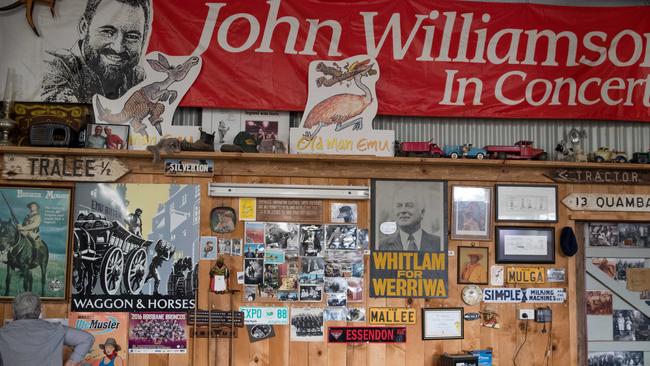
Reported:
(366, 334)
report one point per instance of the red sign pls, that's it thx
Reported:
(366, 334)
(436, 58)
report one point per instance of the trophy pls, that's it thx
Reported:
(6, 124)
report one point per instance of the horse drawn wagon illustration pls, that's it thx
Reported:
(107, 251)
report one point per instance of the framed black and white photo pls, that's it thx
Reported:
(525, 245)
(530, 203)
(442, 323)
(409, 215)
(471, 213)
(106, 136)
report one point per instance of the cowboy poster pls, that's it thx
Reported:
(111, 335)
(33, 241)
(158, 333)
(135, 247)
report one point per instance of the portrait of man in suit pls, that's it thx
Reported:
(417, 211)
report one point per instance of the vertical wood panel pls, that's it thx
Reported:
(280, 351)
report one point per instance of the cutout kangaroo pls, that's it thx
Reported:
(146, 101)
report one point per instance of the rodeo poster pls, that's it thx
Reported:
(111, 335)
(135, 247)
(33, 241)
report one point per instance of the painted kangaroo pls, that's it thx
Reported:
(147, 100)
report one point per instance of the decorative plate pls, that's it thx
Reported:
(472, 295)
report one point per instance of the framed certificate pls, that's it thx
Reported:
(525, 245)
(442, 323)
(531, 203)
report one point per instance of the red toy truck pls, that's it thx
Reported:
(425, 148)
(521, 150)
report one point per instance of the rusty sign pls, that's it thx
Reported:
(599, 176)
(525, 275)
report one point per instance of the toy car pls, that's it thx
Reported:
(521, 150)
(604, 154)
(424, 148)
(464, 151)
(641, 157)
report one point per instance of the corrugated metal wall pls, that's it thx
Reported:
(621, 135)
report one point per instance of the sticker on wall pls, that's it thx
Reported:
(223, 220)
(208, 248)
(260, 332)
(341, 105)
(366, 334)
(247, 209)
(496, 275)
(556, 275)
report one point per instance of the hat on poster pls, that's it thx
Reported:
(568, 242)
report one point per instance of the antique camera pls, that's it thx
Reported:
(51, 134)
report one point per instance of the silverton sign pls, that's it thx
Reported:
(599, 176)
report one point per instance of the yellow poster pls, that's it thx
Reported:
(247, 209)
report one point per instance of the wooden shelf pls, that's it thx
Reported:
(345, 159)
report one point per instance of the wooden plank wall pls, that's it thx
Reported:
(557, 347)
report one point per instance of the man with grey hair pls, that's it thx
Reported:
(408, 212)
(29, 341)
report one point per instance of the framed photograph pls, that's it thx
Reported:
(105, 136)
(601, 234)
(442, 323)
(473, 265)
(269, 128)
(409, 215)
(471, 217)
(530, 203)
(34, 221)
(525, 245)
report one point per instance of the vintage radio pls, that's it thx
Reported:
(51, 134)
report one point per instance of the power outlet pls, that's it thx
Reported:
(526, 314)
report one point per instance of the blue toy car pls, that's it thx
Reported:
(464, 151)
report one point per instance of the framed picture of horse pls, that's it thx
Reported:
(34, 230)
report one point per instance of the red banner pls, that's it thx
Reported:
(437, 58)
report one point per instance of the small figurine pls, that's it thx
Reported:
(604, 154)
(169, 145)
(204, 143)
(422, 148)
(521, 150)
(572, 151)
(217, 271)
(490, 318)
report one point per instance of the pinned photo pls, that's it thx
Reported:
(337, 299)
(345, 213)
(311, 240)
(236, 247)
(341, 237)
(253, 271)
(254, 251)
(208, 247)
(311, 293)
(224, 246)
(282, 235)
(254, 233)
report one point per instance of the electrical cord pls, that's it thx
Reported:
(549, 344)
(514, 359)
